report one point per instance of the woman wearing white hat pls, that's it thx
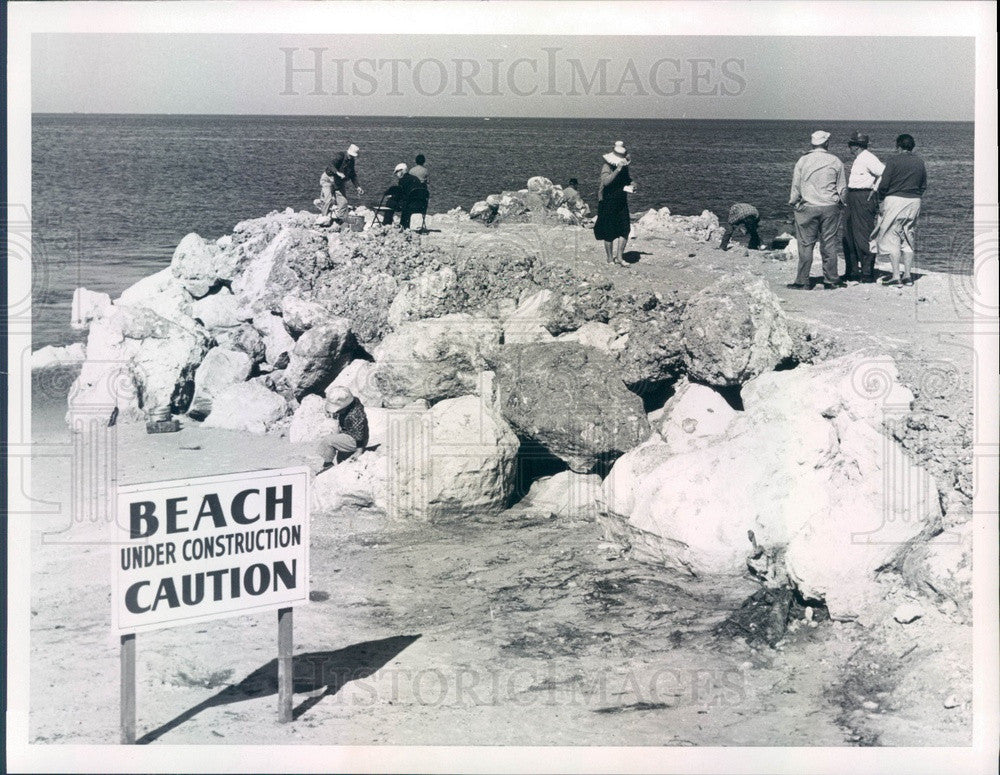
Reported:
(613, 221)
(393, 196)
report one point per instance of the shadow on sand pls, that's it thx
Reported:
(328, 671)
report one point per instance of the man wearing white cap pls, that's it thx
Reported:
(333, 182)
(819, 189)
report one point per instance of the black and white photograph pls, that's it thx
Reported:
(501, 387)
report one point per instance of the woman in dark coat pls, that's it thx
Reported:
(613, 222)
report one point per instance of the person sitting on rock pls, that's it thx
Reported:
(742, 214)
(415, 195)
(352, 437)
(393, 196)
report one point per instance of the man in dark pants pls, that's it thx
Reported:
(862, 208)
(819, 187)
(742, 214)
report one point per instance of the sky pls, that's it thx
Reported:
(846, 78)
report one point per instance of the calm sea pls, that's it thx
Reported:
(113, 195)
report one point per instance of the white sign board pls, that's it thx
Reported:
(193, 550)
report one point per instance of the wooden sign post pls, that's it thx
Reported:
(128, 689)
(200, 549)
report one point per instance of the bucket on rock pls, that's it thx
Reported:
(356, 222)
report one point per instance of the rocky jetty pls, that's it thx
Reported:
(695, 428)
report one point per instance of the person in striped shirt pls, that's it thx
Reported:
(742, 214)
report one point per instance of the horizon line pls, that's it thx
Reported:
(481, 117)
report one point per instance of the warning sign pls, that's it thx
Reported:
(199, 549)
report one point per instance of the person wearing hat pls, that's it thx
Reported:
(745, 215)
(333, 183)
(393, 196)
(613, 221)
(352, 437)
(416, 195)
(819, 187)
(862, 207)
(901, 187)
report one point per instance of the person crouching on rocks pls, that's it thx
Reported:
(393, 196)
(352, 437)
(613, 222)
(742, 214)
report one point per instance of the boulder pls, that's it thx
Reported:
(436, 358)
(88, 305)
(358, 376)
(301, 314)
(310, 423)
(164, 370)
(598, 335)
(566, 494)
(455, 460)
(246, 406)
(150, 286)
(292, 260)
(734, 330)
(220, 369)
(350, 486)
(278, 343)
(941, 568)
(319, 355)
(623, 485)
(218, 311)
(106, 383)
(430, 295)
(529, 321)
(807, 467)
(49, 355)
(196, 265)
(244, 338)
(694, 416)
(565, 397)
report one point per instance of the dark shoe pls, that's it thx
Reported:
(892, 281)
(867, 280)
(797, 286)
(907, 281)
(833, 286)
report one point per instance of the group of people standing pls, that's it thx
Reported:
(407, 194)
(881, 202)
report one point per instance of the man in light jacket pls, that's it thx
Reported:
(819, 189)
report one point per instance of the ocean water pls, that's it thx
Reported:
(113, 195)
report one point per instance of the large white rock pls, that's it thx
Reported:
(351, 486)
(734, 330)
(161, 367)
(435, 358)
(310, 423)
(806, 466)
(599, 335)
(694, 416)
(196, 265)
(246, 406)
(566, 494)
(941, 568)
(278, 343)
(106, 382)
(218, 311)
(88, 305)
(454, 460)
(49, 355)
(424, 297)
(358, 376)
(149, 286)
(528, 322)
(319, 355)
(301, 314)
(220, 369)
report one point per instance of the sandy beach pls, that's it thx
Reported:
(525, 628)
